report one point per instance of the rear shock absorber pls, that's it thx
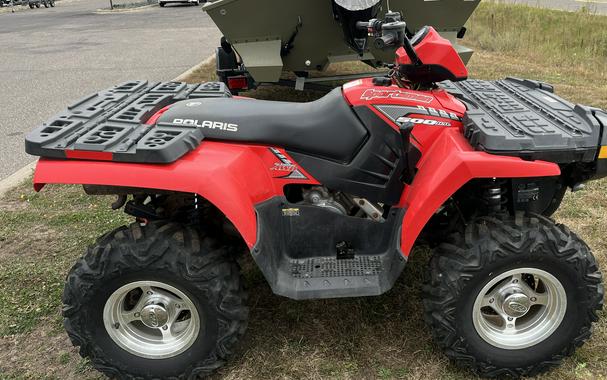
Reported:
(195, 215)
(494, 195)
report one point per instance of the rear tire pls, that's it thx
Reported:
(558, 271)
(161, 4)
(165, 282)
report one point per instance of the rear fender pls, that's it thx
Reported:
(448, 165)
(230, 176)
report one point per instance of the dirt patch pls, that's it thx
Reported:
(41, 241)
(12, 204)
(46, 351)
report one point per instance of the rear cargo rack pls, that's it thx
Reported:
(111, 125)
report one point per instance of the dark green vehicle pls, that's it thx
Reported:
(8, 3)
(304, 37)
(38, 3)
(31, 3)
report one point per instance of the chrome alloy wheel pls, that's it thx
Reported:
(151, 319)
(519, 308)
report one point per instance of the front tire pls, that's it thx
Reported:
(512, 296)
(155, 301)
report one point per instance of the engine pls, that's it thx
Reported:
(320, 196)
(341, 203)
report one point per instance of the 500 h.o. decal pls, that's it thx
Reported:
(404, 119)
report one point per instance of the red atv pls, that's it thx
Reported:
(329, 197)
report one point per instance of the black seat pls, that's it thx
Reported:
(326, 128)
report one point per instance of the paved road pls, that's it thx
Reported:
(51, 57)
(598, 6)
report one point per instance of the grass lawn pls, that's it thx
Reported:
(41, 235)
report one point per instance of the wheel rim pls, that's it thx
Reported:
(519, 308)
(151, 319)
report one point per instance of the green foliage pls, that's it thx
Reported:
(562, 38)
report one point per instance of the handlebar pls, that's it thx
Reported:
(384, 41)
(390, 33)
(362, 25)
(373, 25)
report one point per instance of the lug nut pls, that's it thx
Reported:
(515, 281)
(533, 299)
(165, 327)
(509, 318)
(150, 292)
(116, 325)
(491, 300)
(137, 315)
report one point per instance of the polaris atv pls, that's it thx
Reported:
(329, 198)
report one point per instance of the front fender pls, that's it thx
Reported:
(448, 165)
(232, 177)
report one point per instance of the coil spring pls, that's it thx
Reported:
(494, 195)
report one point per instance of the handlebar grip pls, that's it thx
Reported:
(362, 25)
(383, 41)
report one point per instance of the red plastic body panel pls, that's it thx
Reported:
(449, 164)
(233, 177)
(236, 177)
(436, 50)
(448, 161)
(364, 93)
(152, 120)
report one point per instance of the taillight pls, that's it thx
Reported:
(238, 83)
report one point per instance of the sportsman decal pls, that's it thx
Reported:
(371, 94)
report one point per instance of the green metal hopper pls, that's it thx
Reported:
(303, 36)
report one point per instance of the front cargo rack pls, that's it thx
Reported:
(111, 125)
(524, 118)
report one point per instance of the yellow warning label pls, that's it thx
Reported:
(603, 153)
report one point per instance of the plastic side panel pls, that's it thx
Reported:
(447, 166)
(436, 50)
(363, 92)
(232, 177)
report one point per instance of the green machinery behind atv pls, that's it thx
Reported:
(264, 38)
